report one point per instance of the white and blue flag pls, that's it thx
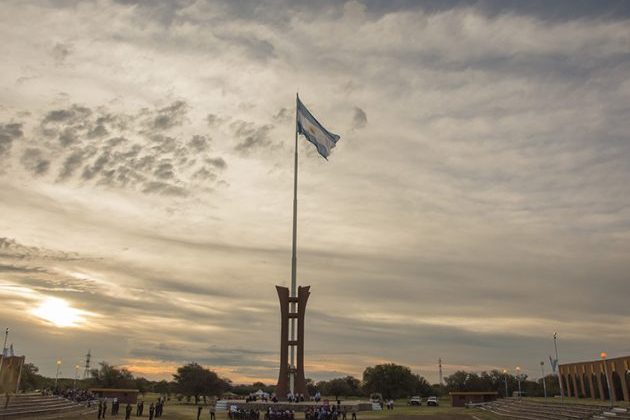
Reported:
(309, 127)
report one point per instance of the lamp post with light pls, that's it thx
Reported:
(505, 380)
(518, 378)
(57, 374)
(610, 390)
(555, 345)
(76, 375)
(542, 370)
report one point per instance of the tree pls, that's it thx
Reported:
(311, 387)
(337, 387)
(354, 384)
(195, 380)
(142, 384)
(163, 387)
(108, 376)
(30, 378)
(394, 381)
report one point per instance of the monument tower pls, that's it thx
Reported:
(291, 378)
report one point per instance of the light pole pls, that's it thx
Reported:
(542, 370)
(4, 346)
(76, 375)
(505, 380)
(57, 374)
(518, 378)
(555, 345)
(610, 390)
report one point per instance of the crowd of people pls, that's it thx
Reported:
(273, 414)
(155, 409)
(241, 414)
(77, 395)
(328, 412)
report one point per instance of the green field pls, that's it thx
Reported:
(175, 410)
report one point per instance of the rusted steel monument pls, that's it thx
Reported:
(291, 379)
(292, 346)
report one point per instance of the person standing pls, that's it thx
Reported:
(151, 411)
(128, 412)
(199, 412)
(104, 408)
(100, 409)
(212, 412)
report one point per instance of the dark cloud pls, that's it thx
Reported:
(359, 120)
(217, 162)
(60, 52)
(251, 45)
(10, 248)
(33, 160)
(212, 120)
(251, 137)
(170, 116)
(96, 167)
(68, 136)
(560, 10)
(199, 143)
(8, 134)
(283, 115)
(118, 150)
(71, 164)
(75, 113)
(164, 188)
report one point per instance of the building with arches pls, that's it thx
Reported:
(591, 379)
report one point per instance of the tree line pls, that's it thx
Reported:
(195, 382)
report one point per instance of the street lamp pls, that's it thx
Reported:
(555, 345)
(505, 380)
(518, 378)
(542, 370)
(76, 375)
(610, 390)
(57, 374)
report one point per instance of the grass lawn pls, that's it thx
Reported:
(174, 410)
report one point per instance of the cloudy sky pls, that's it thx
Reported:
(478, 199)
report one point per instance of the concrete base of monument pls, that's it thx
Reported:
(349, 406)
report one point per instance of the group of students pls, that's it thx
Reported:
(102, 409)
(272, 414)
(328, 413)
(389, 404)
(241, 414)
(155, 410)
(294, 398)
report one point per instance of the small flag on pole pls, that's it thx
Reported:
(309, 127)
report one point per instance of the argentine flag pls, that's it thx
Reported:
(309, 127)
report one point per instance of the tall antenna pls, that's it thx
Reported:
(88, 357)
(440, 367)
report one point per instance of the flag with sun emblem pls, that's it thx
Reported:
(309, 127)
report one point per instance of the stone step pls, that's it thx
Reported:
(41, 413)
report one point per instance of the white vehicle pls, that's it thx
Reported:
(432, 401)
(416, 400)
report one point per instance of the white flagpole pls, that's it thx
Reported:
(294, 256)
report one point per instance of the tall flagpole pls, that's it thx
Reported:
(293, 255)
